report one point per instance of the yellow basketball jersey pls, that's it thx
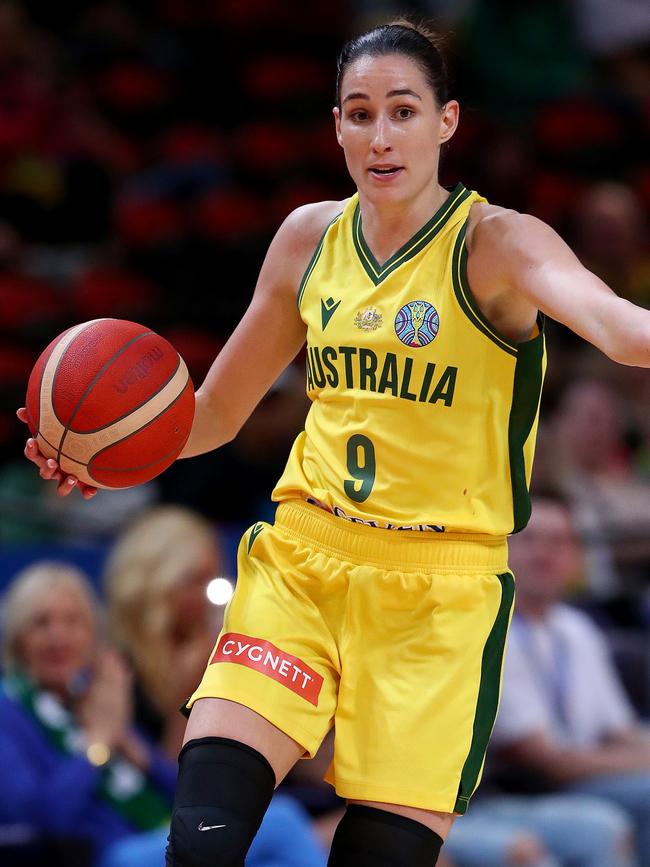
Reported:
(422, 416)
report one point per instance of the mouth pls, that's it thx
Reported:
(385, 172)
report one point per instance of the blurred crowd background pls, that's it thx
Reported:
(148, 153)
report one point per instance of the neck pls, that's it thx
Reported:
(387, 226)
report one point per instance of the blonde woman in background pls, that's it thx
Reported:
(74, 767)
(155, 582)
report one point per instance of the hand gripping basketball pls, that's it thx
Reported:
(110, 404)
(49, 469)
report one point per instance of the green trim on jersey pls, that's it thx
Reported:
(467, 301)
(526, 395)
(314, 259)
(487, 701)
(418, 242)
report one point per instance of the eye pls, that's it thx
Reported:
(404, 113)
(359, 115)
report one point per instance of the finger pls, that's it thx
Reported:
(22, 414)
(66, 486)
(49, 469)
(87, 491)
(49, 476)
(32, 452)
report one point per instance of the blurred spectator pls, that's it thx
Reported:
(78, 772)
(611, 504)
(613, 26)
(531, 831)
(306, 782)
(160, 616)
(610, 237)
(521, 55)
(74, 767)
(565, 723)
(541, 831)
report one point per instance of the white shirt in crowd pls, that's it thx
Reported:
(559, 678)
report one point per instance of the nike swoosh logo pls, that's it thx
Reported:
(327, 310)
(203, 827)
(257, 529)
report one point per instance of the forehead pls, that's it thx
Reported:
(61, 598)
(376, 76)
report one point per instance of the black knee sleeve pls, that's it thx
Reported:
(368, 837)
(224, 788)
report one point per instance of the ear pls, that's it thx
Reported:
(337, 124)
(449, 120)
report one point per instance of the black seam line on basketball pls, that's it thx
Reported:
(314, 259)
(97, 376)
(133, 433)
(63, 454)
(81, 463)
(131, 411)
(32, 425)
(56, 370)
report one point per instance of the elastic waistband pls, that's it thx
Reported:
(392, 548)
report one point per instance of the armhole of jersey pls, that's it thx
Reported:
(314, 259)
(467, 301)
(524, 413)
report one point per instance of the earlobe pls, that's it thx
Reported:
(337, 125)
(449, 120)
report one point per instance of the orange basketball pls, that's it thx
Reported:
(111, 401)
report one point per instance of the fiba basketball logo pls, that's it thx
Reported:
(417, 323)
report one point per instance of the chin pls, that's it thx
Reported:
(57, 680)
(390, 193)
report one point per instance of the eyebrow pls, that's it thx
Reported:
(405, 91)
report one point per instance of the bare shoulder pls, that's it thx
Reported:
(294, 244)
(496, 242)
(305, 226)
(493, 229)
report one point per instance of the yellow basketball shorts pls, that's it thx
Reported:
(394, 637)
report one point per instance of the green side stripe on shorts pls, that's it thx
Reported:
(488, 694)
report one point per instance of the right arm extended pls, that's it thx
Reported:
(266, 340)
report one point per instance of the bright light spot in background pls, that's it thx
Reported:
(220, 590)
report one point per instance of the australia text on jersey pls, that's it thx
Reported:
(360, 367)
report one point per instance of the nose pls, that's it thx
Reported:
(381, 137)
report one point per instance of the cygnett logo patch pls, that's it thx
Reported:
(268, 659)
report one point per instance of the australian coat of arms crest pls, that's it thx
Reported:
(368, 319)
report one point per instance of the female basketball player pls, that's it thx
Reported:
(379, 600)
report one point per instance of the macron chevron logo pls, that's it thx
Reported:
(257, 529)
(327, 310)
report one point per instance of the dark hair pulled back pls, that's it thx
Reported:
(402, 36)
